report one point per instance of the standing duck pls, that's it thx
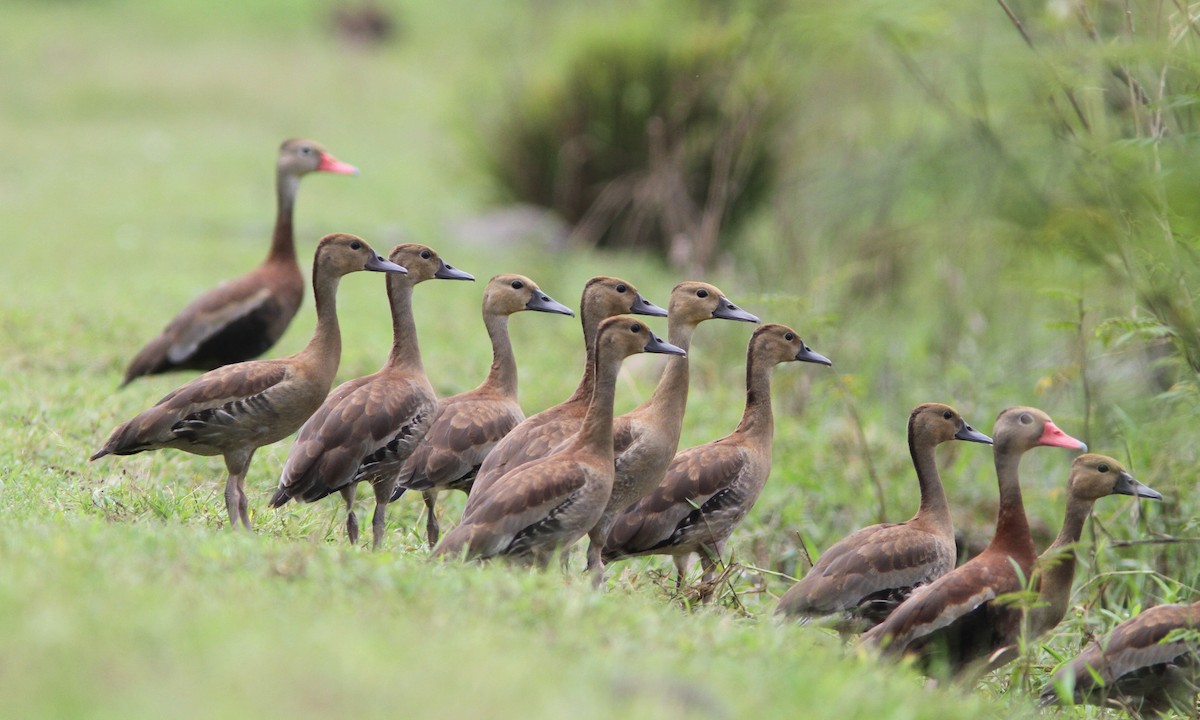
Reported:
(707, 490)
(954, 620)
(236, 409)
(865, 575)
(468, 425)
(242, 318)
(646, 439)
(368, 426)
(1092, 477)
(536, 436)
(545, 505)
(1148, 665)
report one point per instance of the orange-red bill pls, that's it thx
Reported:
(331, 164)
(1054, 437)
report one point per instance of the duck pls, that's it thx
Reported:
(707, 490)
(603, 297)
(953, 621)
(236, 409)
(367, 427)
(468, 425)
(1092, 477)
(243, 318)
(647, 438)
(1146, 666)
(860, 579)
(544, 506)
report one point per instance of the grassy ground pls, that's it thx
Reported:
(137, 173)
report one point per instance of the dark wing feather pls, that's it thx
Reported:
(465, 429)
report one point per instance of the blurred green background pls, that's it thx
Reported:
(982, 204)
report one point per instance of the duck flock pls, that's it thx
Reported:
(538, 485)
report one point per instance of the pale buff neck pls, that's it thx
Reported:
(406, 353)
(1057, 568)
(326, 343)
(934, 507)
(283, 240)
(757, 420)
(668, 403)
(591, 326)
(1012, 527)
(596, 433)
(502, 378)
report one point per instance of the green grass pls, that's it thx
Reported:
(137, 173)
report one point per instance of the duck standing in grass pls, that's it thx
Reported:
(468, 425)
(865, 575)
(242, 318)
(546, 505)
(236, 409)
(368, 426)
(707, 490)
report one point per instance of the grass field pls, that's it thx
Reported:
(140, 139)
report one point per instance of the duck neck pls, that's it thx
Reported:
(591, 326)
(406, 353)
(1057, 567)
(597, 429)
(502, 377)
(669, 400)
(934, 507)
(757, 419)
(283, 240)
(326, 342)
(1012, 527)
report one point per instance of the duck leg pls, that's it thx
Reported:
(237, 462)
(597, 537)
(432, 531)
(682, 561)
(351, 518)
(383, 493)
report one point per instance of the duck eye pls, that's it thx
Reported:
(1026, 418)
(425, 254)
(789, 337)
(621, 288)
(947, 414)
(701, 293)
(306, 150)
(517, 284)
(356, 245)
(635, 328)
(1103, 467)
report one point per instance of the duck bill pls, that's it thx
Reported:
(642, 306)
(1127, 485)
(544, 303)
(330, 164)
(1053, 437)
(728, 311)
(381, 264)
(970, 434)
(449, 272)
(807, 354)
(658, 345)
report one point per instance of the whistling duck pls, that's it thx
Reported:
(236, 409)
(646, 439)
(537, 435)
(368, 426)
(545, 505)
(468, 425)
(242, 318)
(953, 620)
(707, 490)
(1092, 477)
(1147, 665)
(865, 575)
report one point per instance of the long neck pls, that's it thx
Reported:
(1012, 527)
(283, 240)
(502, 378)
(597, 429)
(934, 506)
(406, 353)
(326, 342)
(1057, 568)
(757, 420)
(669, 400)
(591, 326)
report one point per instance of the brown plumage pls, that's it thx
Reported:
(707, 490)
(468, 425)
(1092, 477)
(646, 439)
(242, 318)
(236, 409)
(368, 426)
(537, 435)
(1147, 665)
(545, 505)
(953, 620)
(865, 575)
